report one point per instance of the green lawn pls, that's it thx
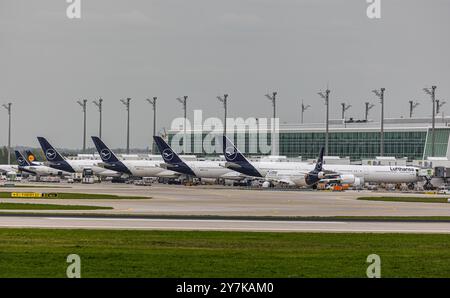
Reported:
(77, 196)
(407, 199)
(29, 206)
(43, 253)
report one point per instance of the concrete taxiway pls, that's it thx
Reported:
(228, 201)
(223, 225)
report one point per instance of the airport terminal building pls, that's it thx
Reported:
(408, 138)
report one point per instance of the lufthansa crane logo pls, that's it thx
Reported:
(167, 154)
(106, 154)
(50, 154)
(21, 161)
(230, 153)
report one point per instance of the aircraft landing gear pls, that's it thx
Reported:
(428, 185)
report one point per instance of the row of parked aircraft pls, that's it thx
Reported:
(236, 168)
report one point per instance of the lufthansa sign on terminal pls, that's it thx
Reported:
(33, 195)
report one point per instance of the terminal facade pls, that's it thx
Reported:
(409, 138)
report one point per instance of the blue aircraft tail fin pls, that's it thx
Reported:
(21, 161)
(106, 154)
(167, 153)
(51, 154)
(237, 160)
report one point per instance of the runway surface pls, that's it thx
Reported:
(228, 201)
(223, 225)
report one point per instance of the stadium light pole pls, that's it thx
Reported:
(273, 98)
(412, 106)
(183, 101)
(380, 95)
(369, 106)
(126, 103)
(8, 108)
(153, 103)
(225, 102)
(99, 105)
(345, 107)
(432, 93)
(326, 97)
(439, 104)
(82, 103)
(304, 108)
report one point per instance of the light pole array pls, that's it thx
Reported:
(183, 101)
(82, 103)
(380, 94)
(432, 93)
(224, 101)
(99, 105)
(8, 108)
(126, 103)
(369, 106)
(412, 106)
(345, 107)
(153, 103)
(326, 97)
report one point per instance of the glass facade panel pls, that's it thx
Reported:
(354, 144)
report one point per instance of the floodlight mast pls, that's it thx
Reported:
(153, 103)
(224, 100)
(99, 105)
(380, 95)
(412, 106)
(8, 108)
(326, 97)
(126, 103)
(345, 107)
(439, 104)
(183, 101)
(83, 106)
(273, 99)
(432, 93)
(304, 108)
(369, 106)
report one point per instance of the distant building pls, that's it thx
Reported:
(408, 138)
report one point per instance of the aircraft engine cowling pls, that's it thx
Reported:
(347, 179)
(266, 184)
(359, 181)
(321, 175)
(209, 180)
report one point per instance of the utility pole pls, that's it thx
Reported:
(304, 108)
(380, 94)
(432, 93)
(183, 101)
(126, 102)
(99, 105)
(274, 139)
(224, 101)
(153, 103)
(326, 97)
(345, 107)
(369, 106)
(412, 106)
(83, 106)
(8, 108)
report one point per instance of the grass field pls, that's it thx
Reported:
(43, 253)
(406, 199)
(30, 206)
(80, 196)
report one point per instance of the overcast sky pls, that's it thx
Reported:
(205, 48)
